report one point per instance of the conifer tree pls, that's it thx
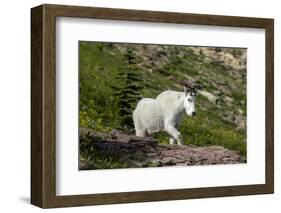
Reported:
(127, 90)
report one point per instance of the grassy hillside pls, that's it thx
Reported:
(220, 106)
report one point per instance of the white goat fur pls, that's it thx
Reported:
(163, 114)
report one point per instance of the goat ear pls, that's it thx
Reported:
(185, 90)
(196, 89)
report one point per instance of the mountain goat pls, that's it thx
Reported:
(164, 113)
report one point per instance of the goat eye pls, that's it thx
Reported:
(189, 99)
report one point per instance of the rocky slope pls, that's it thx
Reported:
(136, 152)
(221, 72)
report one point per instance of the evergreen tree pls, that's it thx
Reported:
(127, 90)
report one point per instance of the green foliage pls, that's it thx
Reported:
(96, 105)
(92, 158)
(126, 90)
(236, 52)
(201, 131)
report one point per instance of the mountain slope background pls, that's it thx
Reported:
(220, 105)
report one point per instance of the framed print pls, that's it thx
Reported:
(136, 106)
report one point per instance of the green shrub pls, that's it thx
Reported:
(92, 158)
